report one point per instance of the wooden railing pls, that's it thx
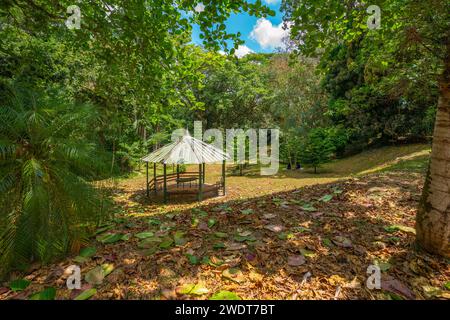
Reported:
(171, 177)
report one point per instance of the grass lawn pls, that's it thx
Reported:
(295, 235)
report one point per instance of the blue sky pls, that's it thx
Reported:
(260, 35)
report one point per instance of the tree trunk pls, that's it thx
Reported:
(433, 215)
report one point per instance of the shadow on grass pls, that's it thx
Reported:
(338, 240)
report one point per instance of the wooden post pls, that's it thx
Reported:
(178, 173)
(146, 171)
(165, 183)
(204, 172)
(223, 176)
(200, 184)
(154, 178)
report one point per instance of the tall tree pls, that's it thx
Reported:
(422, 26)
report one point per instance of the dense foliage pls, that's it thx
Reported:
(84, 104)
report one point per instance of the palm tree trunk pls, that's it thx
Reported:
(433, 215)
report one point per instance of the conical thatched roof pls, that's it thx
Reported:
(187, 150)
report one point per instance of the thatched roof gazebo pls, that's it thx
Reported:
(186, 150)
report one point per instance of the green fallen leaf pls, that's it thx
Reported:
(200, 213)
(166, 243)
(223, 207)
(144, 235)
(107, 268)
(104, 228)
(80, 259)
(178, 238)
(398, 227)
(225, 295)
(150, 251)
(300, 229)
(192, 259)
(220, 234)
(149, 243)
(110, 238)
(46, 294)
(19, 284)
(447, 285)
(286, 236)
(155, 222)
(219, 245)
(307, 253)
(87, 252)
(194, 222)
(211, 223)
(327, 242)
(383, 265)
(213, 261)
(308, 207)
(326, 198)
(192, 289)
(247, 211)
(86, 294)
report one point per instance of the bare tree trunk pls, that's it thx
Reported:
(433, 215)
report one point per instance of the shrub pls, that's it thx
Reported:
(47, 161)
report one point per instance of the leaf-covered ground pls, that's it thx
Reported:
(266, 239)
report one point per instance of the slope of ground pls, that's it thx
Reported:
(266, 240)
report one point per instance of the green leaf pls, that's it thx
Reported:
(219, 245)
(447, 285)
(192, 289)
(192, 259)
(220, 235)
(308, 207)
(383, 265)
(87, 252)
(87, 294)
(149, 242)
(166, 243)
(398, 227)
(194, 222)
(110, 238)
(307, 253)
(200, 213)
(300, 229)
(80, 259)
(178, 238)
(327, 242)
(155, 222)
(211, 223)
(144, 235)
(46, 294)
(107, 268)
(223, 207)
(326, 198)
(247, 211)
(225, 295)
(286, 236)
(19, 284)
(103, 229)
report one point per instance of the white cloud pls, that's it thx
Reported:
(200, 7)
(267, 35)
(242, 51)
(271, 1)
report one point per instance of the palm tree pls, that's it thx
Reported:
(47, 160)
